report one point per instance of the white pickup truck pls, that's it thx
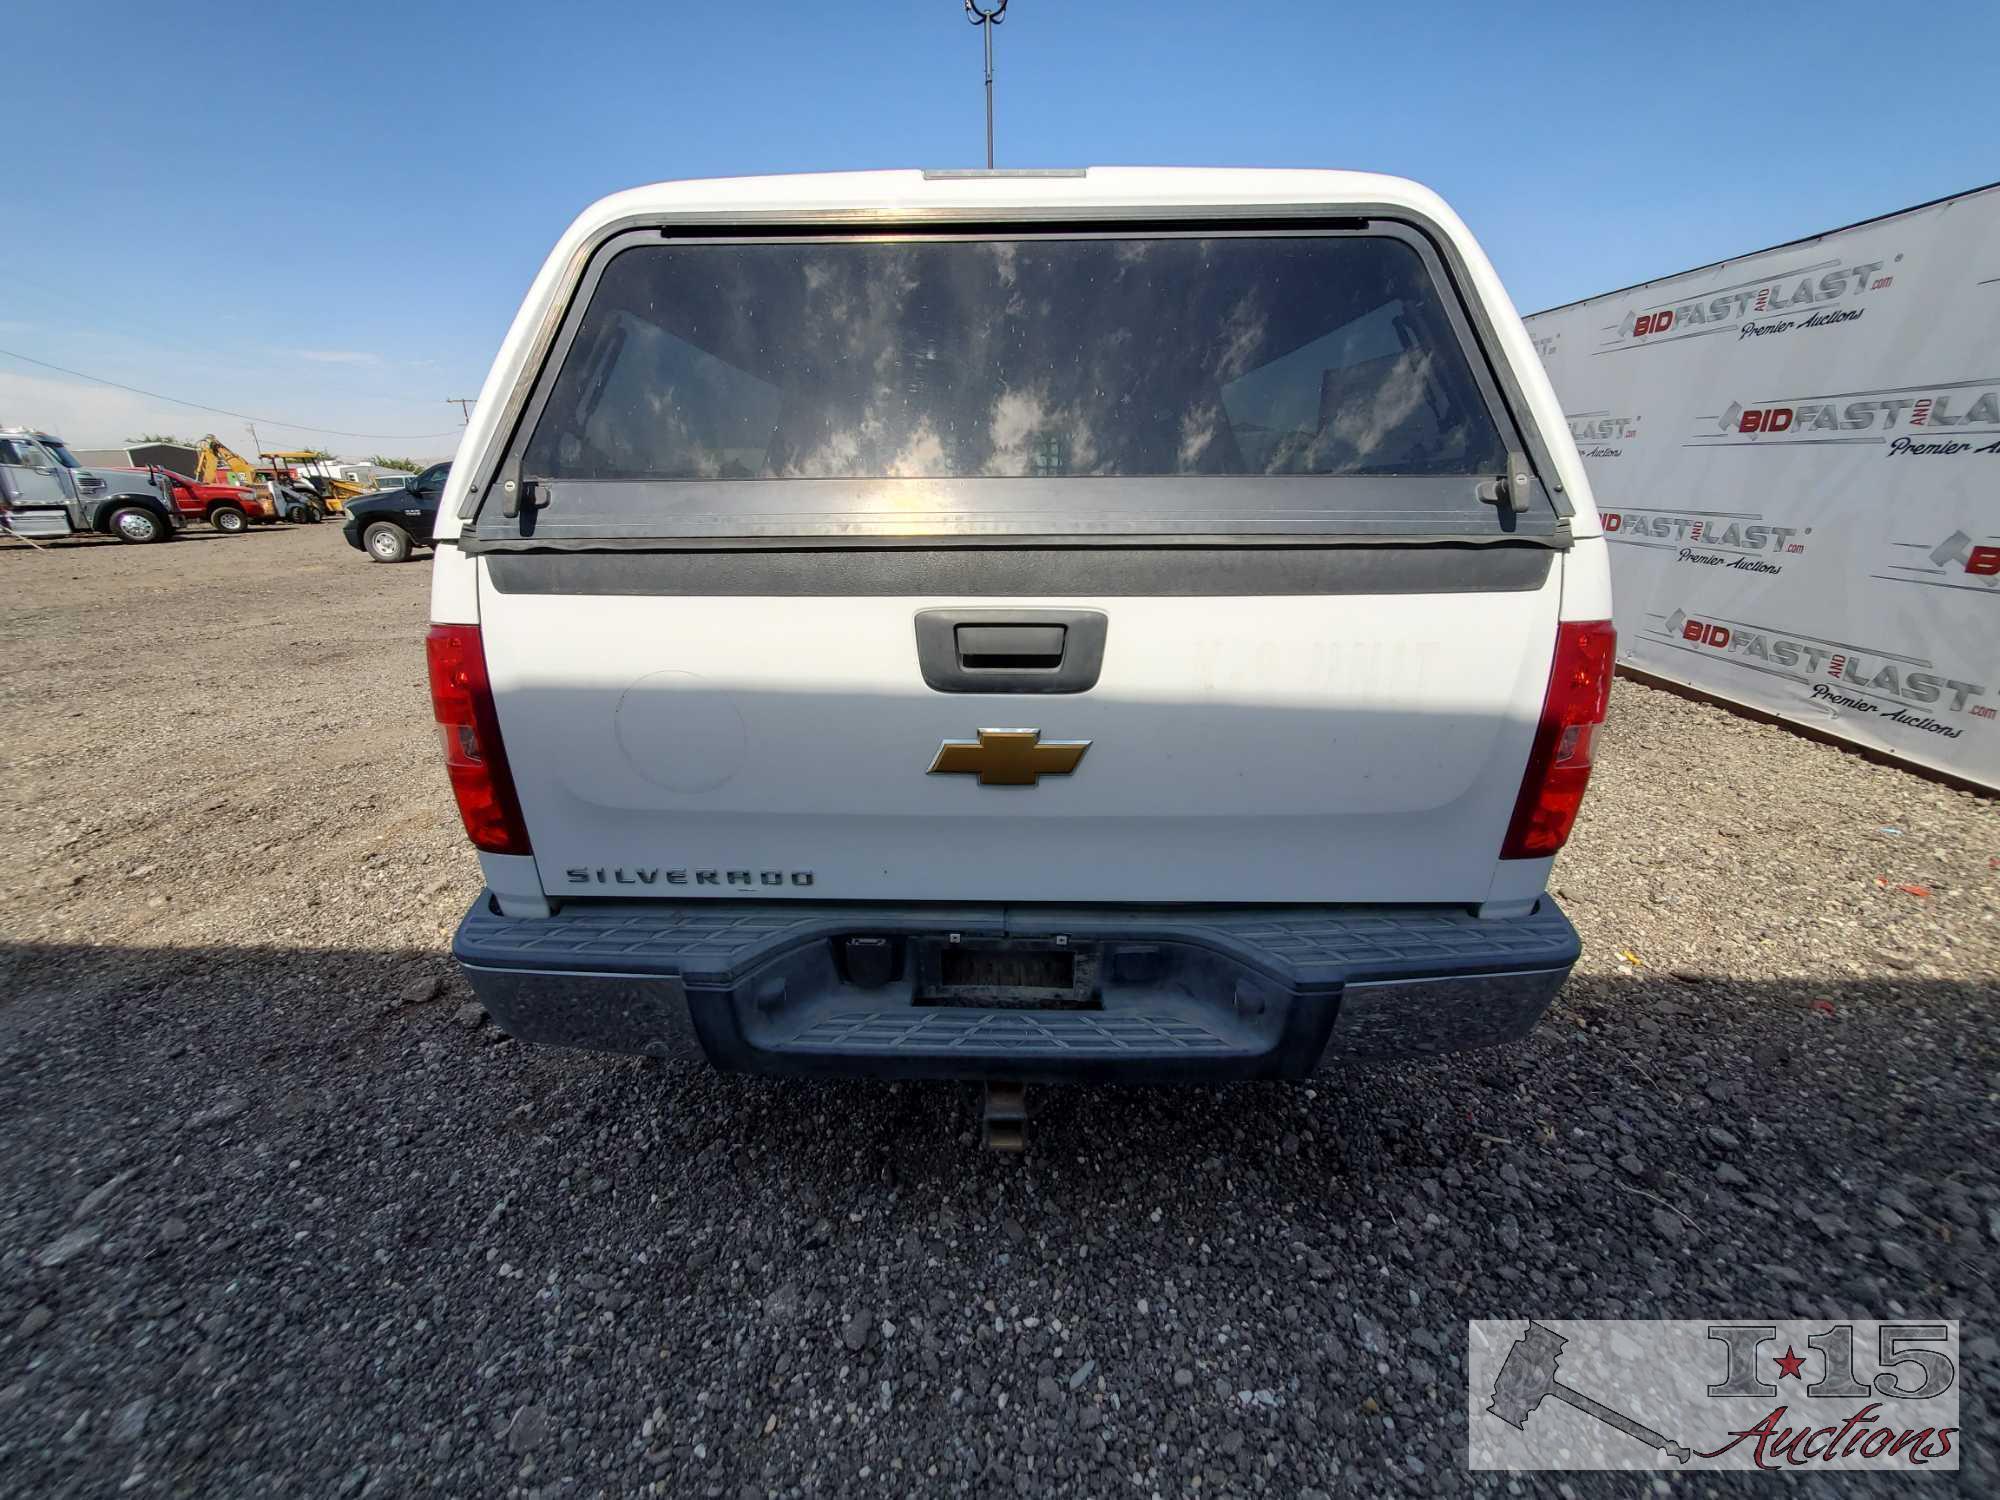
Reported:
(1117, 624)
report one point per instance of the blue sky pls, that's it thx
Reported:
(330, 216)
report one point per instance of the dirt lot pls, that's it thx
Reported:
(280, 1216)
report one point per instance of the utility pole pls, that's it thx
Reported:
(464, 405)
(986, 19)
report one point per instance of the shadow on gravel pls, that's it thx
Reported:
(1695, 1045)
(295, 1220)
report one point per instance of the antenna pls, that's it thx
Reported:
(986, 17)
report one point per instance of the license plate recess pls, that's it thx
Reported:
(1038, 973)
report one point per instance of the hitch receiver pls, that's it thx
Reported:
(1004, 1117)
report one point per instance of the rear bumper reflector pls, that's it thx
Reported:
(1196, 995)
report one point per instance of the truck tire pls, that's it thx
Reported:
(228, 518)
(386, 542)
(134, 523)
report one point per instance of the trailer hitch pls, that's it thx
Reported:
(1003, 1117)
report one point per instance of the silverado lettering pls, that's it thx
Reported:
(654, 875)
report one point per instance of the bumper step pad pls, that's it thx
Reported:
(1187, 993)
(717, 942)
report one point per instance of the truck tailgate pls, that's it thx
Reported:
(1333, 747)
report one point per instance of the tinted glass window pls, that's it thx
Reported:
(20, 453)
(1028, 358)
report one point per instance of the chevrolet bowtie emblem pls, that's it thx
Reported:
(1008, 757)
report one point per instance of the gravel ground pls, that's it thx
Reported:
(280, 1215)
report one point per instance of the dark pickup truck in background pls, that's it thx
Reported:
(390, 525)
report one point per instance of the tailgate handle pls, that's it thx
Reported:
(1028, 648)
(1010, 650)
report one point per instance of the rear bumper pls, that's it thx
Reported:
(1184, 994)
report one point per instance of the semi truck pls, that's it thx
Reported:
(45, 492)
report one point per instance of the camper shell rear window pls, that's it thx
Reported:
(1046, 384)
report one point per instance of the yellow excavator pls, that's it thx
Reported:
(298, 498)
(217, 464)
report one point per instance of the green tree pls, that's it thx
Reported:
(404, 465)
(159, 437)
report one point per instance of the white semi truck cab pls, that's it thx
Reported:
(1111, 624)
(47, 493)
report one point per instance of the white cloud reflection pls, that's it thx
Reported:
(1005, 359)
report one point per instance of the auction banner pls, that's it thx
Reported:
(1797, 458)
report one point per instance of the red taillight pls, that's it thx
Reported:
(1559, 764)
(474, 758)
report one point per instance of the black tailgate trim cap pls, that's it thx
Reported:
(1103, 572)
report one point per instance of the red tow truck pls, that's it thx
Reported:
(227, 507)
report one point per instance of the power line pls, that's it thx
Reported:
(398, 437)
